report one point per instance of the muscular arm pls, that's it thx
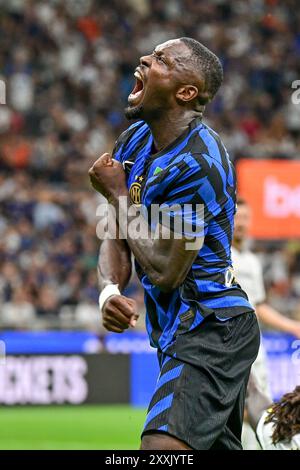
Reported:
(114, 263)
(164, 259)
(114, 267)
(272, 318)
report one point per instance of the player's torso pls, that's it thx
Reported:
(150, 180)
(149, 175)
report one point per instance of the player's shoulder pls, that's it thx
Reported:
(209, 145)
(209, 136)
(136, 129)
(132, 135)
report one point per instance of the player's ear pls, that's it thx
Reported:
(187, 93)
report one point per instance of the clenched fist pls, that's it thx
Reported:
(108, 177)
(119, 312)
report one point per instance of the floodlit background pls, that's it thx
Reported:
(67, 67)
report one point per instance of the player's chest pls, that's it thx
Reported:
(146, 177)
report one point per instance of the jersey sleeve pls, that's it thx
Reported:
(194, 196)
(121, 148)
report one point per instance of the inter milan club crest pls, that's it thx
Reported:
(135, 190)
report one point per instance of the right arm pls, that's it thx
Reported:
(114, 269)
(114, 263)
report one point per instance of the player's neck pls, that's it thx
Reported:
(169, 126)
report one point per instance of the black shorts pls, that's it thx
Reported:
(200, 392)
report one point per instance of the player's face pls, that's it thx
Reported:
(242, 222)
(158, 78)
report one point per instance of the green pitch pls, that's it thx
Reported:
(83, 427)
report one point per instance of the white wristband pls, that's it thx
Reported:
(108, 291)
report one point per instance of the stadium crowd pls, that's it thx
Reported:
(67, 78)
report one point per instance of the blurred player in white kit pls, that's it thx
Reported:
(248, 272)
(277, 425)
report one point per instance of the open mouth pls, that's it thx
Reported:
(136, 95)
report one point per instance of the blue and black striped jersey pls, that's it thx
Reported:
(194, 169)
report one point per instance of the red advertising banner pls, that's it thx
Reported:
(272, 189)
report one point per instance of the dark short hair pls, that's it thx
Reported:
(208, 65)
(240, 201)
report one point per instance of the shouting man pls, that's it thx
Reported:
(197, 316)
